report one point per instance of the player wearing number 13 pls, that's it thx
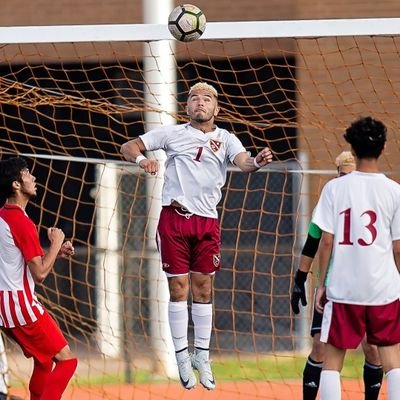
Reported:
(198, 154)
(359, 215)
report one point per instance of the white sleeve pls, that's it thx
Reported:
(155, 139)
(323, 215)
(234, 147)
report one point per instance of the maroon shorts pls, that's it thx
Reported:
(188, 242)
(41, 339)
(344, 325)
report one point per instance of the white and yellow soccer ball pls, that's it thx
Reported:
(186, 22)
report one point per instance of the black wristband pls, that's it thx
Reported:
(300, 277)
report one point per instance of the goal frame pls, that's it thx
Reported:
(214, 30)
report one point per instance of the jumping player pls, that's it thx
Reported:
(373, 371)
(22, 264)
(359, 215)
(198, 154)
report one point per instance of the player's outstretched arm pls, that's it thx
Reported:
(250, 164)
(133, 151)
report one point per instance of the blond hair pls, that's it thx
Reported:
(345, 158)
(203, 86)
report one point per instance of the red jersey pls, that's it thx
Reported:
(19, 243)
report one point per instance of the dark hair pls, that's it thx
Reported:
(367, 137)
(10, 171)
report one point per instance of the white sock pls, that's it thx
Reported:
(202, 321)
(178, 322)
(393, 383)
(329, 386)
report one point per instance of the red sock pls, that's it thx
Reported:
(40, 373)
(58, 379)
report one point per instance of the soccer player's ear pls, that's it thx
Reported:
(16, 185)
(216, 111)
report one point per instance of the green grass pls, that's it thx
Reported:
(250, 368)
(279, 367)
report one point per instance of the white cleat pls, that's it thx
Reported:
(186, 374)
(201, 362)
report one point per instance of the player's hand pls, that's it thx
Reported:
(299, 291)
(150, 166)
(320, 299)
(56, 236)
(67, 250)
(264, 157)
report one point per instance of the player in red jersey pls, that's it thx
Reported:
(22, 264)
(359, 215)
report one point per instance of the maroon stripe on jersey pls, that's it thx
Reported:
(3, 310)
(24, 309)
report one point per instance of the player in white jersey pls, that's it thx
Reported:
(22, 264)
(359, 215)
(372, 370)
(188, 234)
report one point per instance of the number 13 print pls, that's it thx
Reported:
(369, 226)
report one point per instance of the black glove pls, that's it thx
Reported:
(298, 291)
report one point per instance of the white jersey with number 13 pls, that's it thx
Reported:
(362, 211)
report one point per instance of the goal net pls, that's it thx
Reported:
(70, 96)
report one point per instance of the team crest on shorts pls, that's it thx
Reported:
(165, 265)
(216, 260)
(215, 145)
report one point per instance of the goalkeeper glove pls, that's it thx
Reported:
(298, 291)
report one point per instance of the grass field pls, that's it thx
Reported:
(249, 378)
(247, 368)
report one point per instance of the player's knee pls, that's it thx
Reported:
(65, 354)
(178, 288)
(202, 288)
(318, 350)
(371, 354)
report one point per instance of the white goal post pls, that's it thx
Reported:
(214, 30)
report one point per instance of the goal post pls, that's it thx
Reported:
(214, 31)
(71, 95)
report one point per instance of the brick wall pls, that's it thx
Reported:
(50, 12)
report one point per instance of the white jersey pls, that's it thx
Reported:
(196, 165)
(362, 211)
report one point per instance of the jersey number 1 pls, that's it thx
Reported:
(197, 158)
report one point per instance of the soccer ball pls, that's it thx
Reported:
(186, 22)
